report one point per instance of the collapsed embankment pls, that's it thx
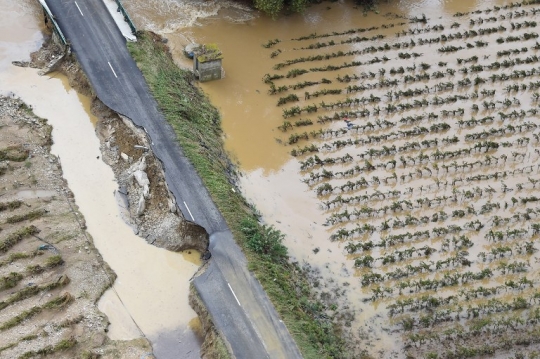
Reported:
(214, 346)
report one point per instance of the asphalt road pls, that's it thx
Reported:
(239, 306)
(250, 296)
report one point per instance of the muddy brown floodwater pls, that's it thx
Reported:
(152, 284)
(426, 245)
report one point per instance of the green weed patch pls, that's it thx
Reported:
(30, 216)
(16, 237)
(10, 205)
(14, 153)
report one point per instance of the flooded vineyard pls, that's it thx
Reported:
(421, 143)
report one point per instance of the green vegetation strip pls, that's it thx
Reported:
(56, 303)
(62, 345)
(197, 126)
(16, 237)
(28, 292)
(10, 280)
(29, 216)
(24, 339)
(7, 346)
(51, 262)
(18, 256)
(10, 205)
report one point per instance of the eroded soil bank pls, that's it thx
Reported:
(151, 279)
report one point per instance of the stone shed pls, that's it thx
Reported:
(207, 63)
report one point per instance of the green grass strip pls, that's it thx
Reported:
(17, 256)
(55, 303)
(7, 346)
(62, 345)
(28, 292)
(10, 205)
(10, 281)
(16, 237)
(197, 126)
(29, 216)
(20, 318)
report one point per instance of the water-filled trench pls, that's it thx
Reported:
(152, 284)
(420, 215)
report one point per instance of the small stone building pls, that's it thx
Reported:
(207, 63)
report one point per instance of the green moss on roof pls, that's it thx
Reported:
(209, 52)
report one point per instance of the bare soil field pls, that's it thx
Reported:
(51, 276)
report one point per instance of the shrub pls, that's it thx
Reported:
(54, 261)
(296, 72)
(16, 237)
(264, 240)
(290, 98)
(14, 153)
(10, 280)
(10, 205)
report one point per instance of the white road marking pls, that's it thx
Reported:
(79, 8)
(112, 69)
(232, 291)
(185, 204)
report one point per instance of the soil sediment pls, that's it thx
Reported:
(153, 211)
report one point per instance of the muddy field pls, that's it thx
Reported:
(421, 145)
(50, 273)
